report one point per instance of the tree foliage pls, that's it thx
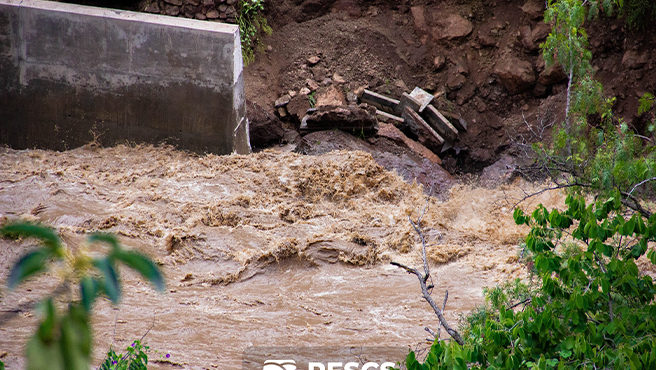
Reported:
(64, 340)
(591, 308)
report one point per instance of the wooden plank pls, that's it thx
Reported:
(440, 123)
(407, 101)
(395, 119)
(457, 121)
(426, 135)
(423, 97)
(379, 101)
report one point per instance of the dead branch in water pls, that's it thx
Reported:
(423, 278)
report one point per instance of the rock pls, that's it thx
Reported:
(265, 129)
(351, 98)
(338, 79)
(479, 104)
(390, 131)
(514, 74)
(540, 33)
(501, 172)
(419, 16)
(526, 38)
(439, 62)
(486, 39)
(319, 73)
(298, 106)
(312, 85)
(282, 112)
(200, 16)
(282, 101)
(304, 91)
(353, 119)
(174, 2)
(153, 8)
(387, 153)
(212, 14)
(172, 10)
(231, 10)
(330, 96)
(327, 81)
(534, 8)
(634, 59)
(540, 90)
(455, 82)
(461, 65)
(552, 75)
(401, 85)
(313, 60)
(450, 27)
(231, 2)
(208, 2)
(223, 8)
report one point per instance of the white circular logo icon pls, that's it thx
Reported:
(279, 365)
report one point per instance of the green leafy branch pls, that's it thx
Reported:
(63, 341)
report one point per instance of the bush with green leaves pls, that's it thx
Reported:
(252, 24)
(591, 309)
(63, 340)
(135, 358)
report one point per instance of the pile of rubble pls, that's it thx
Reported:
(413, 114)
(218, 10)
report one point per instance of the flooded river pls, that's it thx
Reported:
(269, 249)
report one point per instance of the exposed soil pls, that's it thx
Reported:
(390, 47)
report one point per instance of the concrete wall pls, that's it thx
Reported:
(69, 71)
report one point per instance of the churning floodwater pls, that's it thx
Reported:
(267, 249)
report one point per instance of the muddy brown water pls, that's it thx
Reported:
(269, 249)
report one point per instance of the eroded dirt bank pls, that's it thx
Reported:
(265, 249)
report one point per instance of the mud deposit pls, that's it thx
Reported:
(269, 249)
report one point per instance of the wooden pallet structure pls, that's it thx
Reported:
(416, 112)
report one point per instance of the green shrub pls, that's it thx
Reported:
(252, 24)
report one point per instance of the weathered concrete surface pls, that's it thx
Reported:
(70, 72)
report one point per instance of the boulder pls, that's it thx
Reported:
(353, 119)
(514, 74)
(298, 106)
(265, 129)
(501, 172)
(390, 132)
(329, 96)
(534, 8)
(419, 16)
(634, 59)
(552, 75)
(451, 26)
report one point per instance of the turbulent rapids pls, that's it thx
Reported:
(265, 249)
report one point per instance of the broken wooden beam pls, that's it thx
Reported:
(379, 101)
(425, 134)
(440, 123)
(457, 121)
(423, 97)
(407, 101)
(396, 120)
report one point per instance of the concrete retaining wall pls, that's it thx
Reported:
(68, 72)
